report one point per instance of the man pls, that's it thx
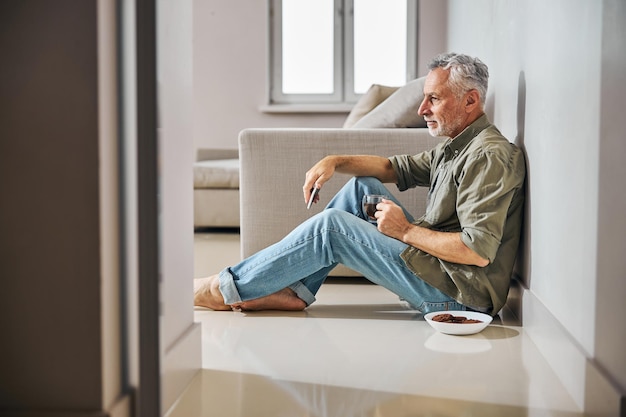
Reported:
(459, 255)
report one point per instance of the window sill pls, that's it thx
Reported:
(306, 108)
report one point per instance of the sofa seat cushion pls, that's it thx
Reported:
(218, 173)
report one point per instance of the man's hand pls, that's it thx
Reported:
(317, 176)
(391, 219)
(355, 165)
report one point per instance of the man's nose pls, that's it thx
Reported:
(423, 108)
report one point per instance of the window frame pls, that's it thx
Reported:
(343, 43)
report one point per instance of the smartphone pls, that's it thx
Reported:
(313, 192)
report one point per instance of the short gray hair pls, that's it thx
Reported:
(466, 73)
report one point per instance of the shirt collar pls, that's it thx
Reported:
(470, 132)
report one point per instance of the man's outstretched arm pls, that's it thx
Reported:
(356, 165)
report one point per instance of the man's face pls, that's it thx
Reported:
(443, 112)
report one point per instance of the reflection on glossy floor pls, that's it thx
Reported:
(359, 351)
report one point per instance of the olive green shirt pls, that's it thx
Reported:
(476, 185)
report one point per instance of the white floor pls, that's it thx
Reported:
(358, 351)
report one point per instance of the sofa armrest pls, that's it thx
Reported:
(274, 162)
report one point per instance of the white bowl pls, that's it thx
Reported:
(460, 328)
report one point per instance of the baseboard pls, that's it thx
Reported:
(511, 313)
(590, 388)
(182, 360)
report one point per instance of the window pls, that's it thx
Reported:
(331, 51)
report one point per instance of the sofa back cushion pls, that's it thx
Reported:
(375, 95)
(398, 110)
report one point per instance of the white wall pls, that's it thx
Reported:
(550, 92)
(559, 59)
(230, 69)
(180, 336)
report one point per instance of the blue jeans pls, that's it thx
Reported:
(339, 234)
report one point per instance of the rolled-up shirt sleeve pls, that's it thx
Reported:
(412, 170)
(485, 189)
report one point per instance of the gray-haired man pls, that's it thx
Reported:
(458, 255)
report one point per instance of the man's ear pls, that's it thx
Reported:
(472, 99)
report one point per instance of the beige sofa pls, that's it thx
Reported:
(273, 165)
(216, 171)
(216, 188)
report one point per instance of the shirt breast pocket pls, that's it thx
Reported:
(441, 205)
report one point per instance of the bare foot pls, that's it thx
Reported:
(285, 299)
(206, 293)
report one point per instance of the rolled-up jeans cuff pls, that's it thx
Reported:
(303, 293)
(228, 288)
(231, 294)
